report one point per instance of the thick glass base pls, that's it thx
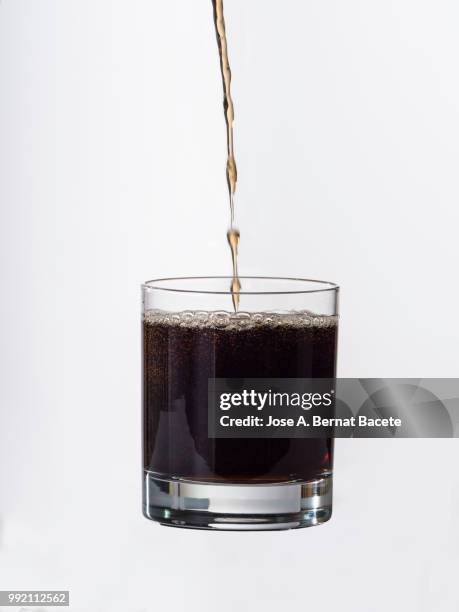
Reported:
(245, 507)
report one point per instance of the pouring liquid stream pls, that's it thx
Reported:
(233, 234)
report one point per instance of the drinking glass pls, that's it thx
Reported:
(284, 328)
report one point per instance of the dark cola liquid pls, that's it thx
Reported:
(181, 352)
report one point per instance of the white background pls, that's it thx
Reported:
(112, 157)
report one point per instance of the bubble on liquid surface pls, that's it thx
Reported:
(221, 319)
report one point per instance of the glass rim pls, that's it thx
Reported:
(325, 286)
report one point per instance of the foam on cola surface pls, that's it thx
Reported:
(239, 320)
